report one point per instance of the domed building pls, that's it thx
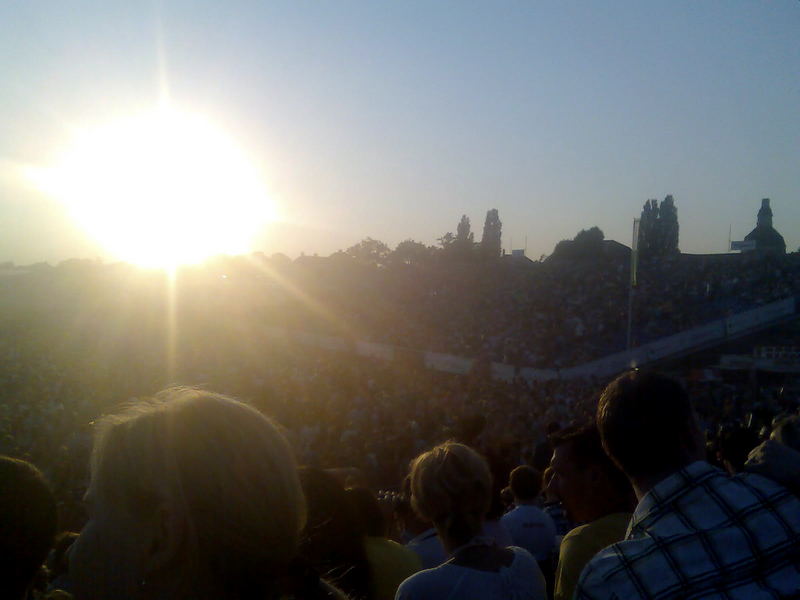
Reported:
(764, 237)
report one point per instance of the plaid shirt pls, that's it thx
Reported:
(700, 533)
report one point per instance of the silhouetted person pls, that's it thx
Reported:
(390, 563)
(697, 532)
(28, 521)
(451, 486)
(529, 526)
(333, 539)
(594, 492)
(193, 495)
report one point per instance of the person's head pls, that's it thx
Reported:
(409, 520)
(333, 539)
(28, 521)
(192, 494)
(733, 447)
(525, 483)
(369, 517)
(451, 486)
(588, 484)
(648, 426)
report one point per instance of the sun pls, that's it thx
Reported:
(161, 189)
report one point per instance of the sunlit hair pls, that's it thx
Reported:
(451, 485)
(222, 468)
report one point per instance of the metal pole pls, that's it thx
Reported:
(632, 283)
(630, 316)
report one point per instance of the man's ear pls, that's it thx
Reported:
(166, 540)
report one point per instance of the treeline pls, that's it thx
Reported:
(658, 236)
(459, 247)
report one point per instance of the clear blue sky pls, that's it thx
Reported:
(391, 119)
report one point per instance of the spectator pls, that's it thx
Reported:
(333, 542)
(595, 492)
(28, 521)
(696, 532)
(553, 507)
(192, 495)
(529, 526)
(422, 537)
(544, 449)
(733, 446)
(390, 563)
(451, 485)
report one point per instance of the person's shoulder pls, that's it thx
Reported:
(606, 573)
(576, 535)
(526, 573)
(423, 584)
(746, 490)
(521, 554)
(512, 518)
(757, 481)
(386, 550)
(616, 524)
(525, 511)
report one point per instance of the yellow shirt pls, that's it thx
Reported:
(579, 547)
(390, 565)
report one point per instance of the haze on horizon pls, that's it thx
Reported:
(393, 120)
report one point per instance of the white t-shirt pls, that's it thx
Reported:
(531, 528)
(521, 580)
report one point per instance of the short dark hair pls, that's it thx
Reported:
(646, 423)
(586, 449)
(28, 522)
(735, 444)
(525, 482)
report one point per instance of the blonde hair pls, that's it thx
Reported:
(222, 467)
(451, 485)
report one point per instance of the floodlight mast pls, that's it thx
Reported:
(632, 281)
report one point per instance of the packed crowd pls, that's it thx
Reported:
(547, 314)
(515, 487)
(192, 494)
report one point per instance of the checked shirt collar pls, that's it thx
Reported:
(665, 492)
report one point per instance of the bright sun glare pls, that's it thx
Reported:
(161, 189)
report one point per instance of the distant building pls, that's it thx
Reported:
(764, 238)
(517, 257)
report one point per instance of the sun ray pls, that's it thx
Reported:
(343, 326)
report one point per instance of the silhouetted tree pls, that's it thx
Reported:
(280, 260)
(465, 239)
(589, 239)
(369, 252)
(491, 240)
(658, 228)
(409, 252)
(446, 240)
(588, 243)
(648, 224)
(463, 233)
(669, 228)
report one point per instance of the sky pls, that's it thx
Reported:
(392, 119)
